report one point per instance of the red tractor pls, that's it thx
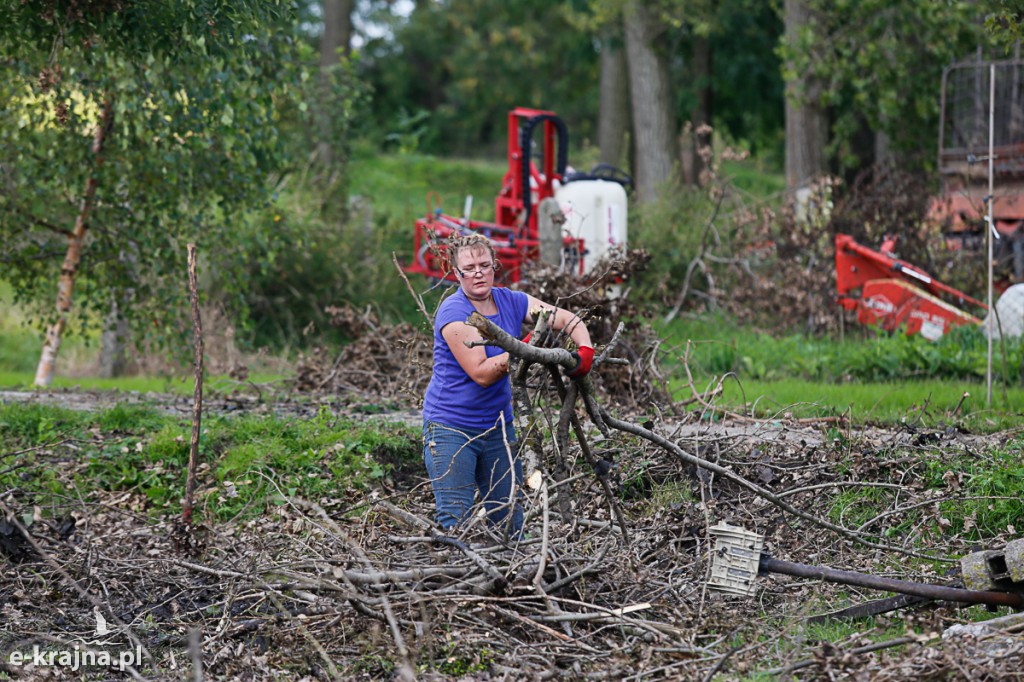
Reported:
(593, 206)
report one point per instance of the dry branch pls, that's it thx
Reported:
(493, 334)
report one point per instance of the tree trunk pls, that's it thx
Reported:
(699, 135)
(883, 149)
(613, 115)
(806, 119)
(68, 271)
(337, 36)
(113, 360)
(651, 100)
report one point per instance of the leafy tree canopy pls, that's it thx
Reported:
(198, 91)
(1005, 21)
(468, 62)
(881, 62)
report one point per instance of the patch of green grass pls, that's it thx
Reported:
(25, 425)
(891, 379)
(754, 178)
(717, 345)
(854, 507)
(125, 418)
(929, 404)
(877, 630)
(987, 490)
(251, 462)
(180, 385)
(398, 184)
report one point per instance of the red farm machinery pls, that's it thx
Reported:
(981, 167)
(894, 294)
(593, 206)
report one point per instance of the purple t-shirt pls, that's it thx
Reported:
(452, 397)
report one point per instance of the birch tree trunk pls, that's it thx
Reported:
(651, 102)
(68, 271)
(613, 114)
(806, 119)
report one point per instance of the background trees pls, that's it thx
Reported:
(872, 70)
(466, 62)
(216, 110)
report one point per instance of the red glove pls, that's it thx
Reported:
(586, 357)
(526, 339)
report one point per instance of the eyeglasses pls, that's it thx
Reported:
(473, 272)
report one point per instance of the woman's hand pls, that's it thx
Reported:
(585, 355)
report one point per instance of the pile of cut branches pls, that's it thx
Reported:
(393, 362)
(364, 586)
(384, 362)
(605, 304)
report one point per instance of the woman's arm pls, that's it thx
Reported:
(562, 319)
(474, 361)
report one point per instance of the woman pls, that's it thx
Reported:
(468, 436)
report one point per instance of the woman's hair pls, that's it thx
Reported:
(459, 243)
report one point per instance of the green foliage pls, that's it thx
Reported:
(747, 76)
(671, 230)
(881, 65)
(197, 95)
(1005, 22)
(468, 62)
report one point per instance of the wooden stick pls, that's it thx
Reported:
(197, 395)
(416, 297)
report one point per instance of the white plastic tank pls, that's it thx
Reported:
(595, 210)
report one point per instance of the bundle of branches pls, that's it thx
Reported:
(605, 304)
(390, 362)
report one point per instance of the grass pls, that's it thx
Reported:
(252, 462)
(399, 185)
(180, 385)
(886, 379)
(753, 179)
(917, 403)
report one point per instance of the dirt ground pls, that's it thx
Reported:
(361, 586)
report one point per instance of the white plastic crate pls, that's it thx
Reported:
(735, 558)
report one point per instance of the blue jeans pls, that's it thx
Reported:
(461, 461)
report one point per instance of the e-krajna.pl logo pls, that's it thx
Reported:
(76, 658)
